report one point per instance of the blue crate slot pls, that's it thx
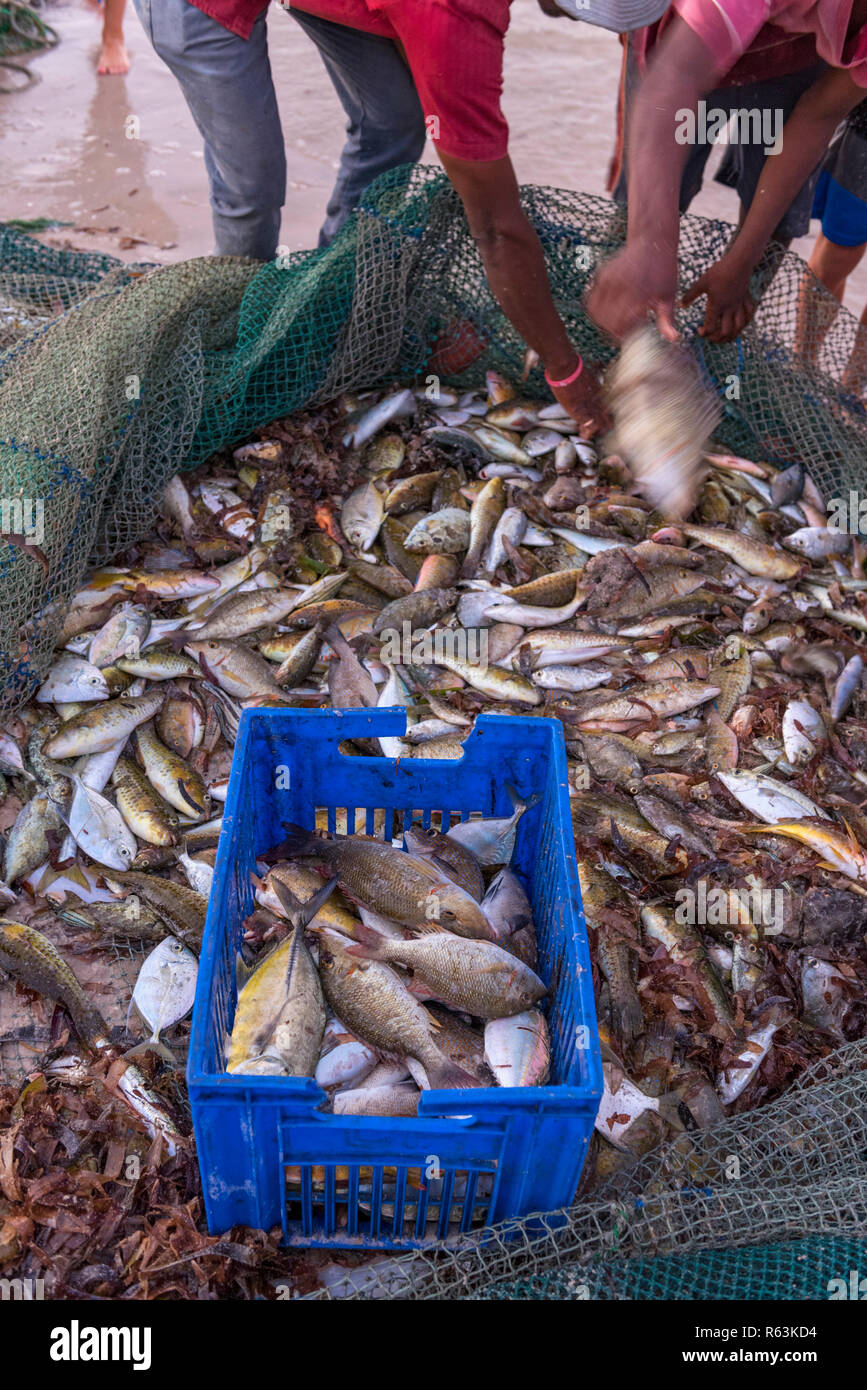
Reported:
(268, 1155)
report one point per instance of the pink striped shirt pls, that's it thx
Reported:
(729, 27)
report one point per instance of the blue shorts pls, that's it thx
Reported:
(844, 216)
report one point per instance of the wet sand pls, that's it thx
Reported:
(65, 152)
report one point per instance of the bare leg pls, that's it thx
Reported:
(855, 375)
(832, 265)
(113, 57)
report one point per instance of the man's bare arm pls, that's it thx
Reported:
(515, 268)
(643, 277)
(806, 135)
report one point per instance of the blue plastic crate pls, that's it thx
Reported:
(267, 1154)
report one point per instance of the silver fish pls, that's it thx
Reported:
(446, 532)
(98, 827)
(362, 515)
(123, 635)
(374, 419)
(518, 1050)
(492, 839)
(165, 989)
(71, 678)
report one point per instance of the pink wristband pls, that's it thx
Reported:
(567, 381)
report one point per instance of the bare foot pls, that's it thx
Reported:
(113, 58)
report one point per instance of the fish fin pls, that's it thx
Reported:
(182, 788)
(853, 843)
(299, 842)
(669, 1110)
(76, 918)
(243, 971)
(369, 944)
(151, 1046)
(445, 1075)
(518, 802)
(431, 928)
(445, 869)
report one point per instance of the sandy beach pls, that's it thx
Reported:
(66, 153)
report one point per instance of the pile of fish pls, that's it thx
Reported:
(348, 1011)
(451, 553)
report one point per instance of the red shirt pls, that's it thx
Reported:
(454, 49)
(237, 15)
(455, 53)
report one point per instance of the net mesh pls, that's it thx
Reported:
(115, 377)
(762, 1181)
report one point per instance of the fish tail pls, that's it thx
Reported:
(518, 802)
(369, 943)
(301, 910)
(152, 1046)
(299, 842)
(445, 1075)
(627, 1019)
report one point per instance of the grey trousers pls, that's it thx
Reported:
(228, 87)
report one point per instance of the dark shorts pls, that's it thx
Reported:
(742, 163)
(844, 216)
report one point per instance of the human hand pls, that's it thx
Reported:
(584, 401)
(630, 286)
(729, 306)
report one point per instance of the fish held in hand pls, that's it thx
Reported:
(663, 417)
